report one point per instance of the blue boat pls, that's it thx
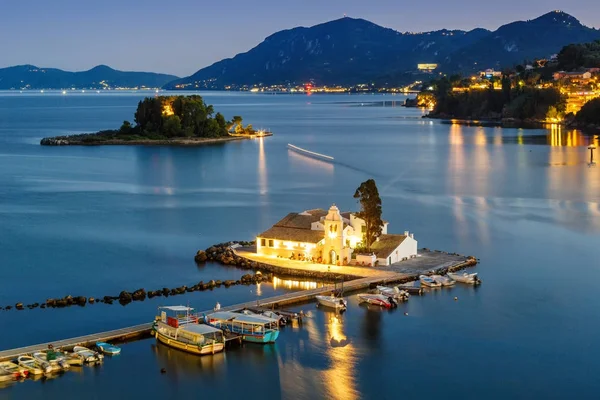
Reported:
(108, 348)
(252, 328)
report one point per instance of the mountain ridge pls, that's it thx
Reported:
(28, 76)
(354, 50)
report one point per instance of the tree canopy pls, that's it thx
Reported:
(370, 211)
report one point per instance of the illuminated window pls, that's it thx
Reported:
(263, 242)
(270, 243)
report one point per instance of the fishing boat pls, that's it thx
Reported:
(272, 314)
(332, 301)
(31, 365)
(393, 292)
(16, 370)
(178, 327)
(464, 277)
(6, 376)
(252, 328)
(428, 281)
(108, 348)
(378, 300)
(87, 355)
(443, 280)
(51, 359)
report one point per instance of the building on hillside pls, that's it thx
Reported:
(573, 76)
(427, 67)
(330, 237)
(490, 73)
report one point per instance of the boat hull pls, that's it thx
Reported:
(335, 303)
(269, 337)
(377, 301)
(189, 348)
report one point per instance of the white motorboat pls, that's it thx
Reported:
(393, 292)
(56, 363)
(378, 300)
(443, 280)
(331, 301)
(428, 281)
(272, 314)
(31, 365)
(464, 277)
(87, 355)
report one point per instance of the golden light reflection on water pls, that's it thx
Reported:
(340, 377)
(262, 167)
(294, 285)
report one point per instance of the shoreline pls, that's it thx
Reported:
(177, 142)
(514, 123)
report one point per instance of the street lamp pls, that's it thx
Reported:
(591, 148)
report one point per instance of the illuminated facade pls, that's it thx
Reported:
(427, 67)
(330, 237)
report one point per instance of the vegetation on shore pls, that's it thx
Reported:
(370, 211)
(184, 119)
(589, 115)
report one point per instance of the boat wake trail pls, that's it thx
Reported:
(329, 159)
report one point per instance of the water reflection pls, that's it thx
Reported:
(180, 364)
(339, 378)
(304, 161)
(262, 167)
(295, 285)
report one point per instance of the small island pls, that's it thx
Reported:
(167, 120)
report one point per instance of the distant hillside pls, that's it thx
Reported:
(351, 51)
(517, 41)
(32, 77)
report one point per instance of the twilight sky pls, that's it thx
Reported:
(182, 36)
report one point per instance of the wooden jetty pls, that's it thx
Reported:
(144, 330)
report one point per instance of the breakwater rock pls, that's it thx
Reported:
(224, 253)
(126, 297)
(54, 141)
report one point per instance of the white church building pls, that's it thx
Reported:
(330, 237)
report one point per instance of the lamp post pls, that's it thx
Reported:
(591, 148)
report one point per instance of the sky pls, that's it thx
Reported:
(182, 36)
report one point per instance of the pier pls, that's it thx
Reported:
(393, 275)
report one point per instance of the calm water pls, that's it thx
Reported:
(98, 220)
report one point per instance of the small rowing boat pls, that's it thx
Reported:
(51, 358)
(31, 365)
(443, 280)
(378, 300)
(428, 281)
(393, 292)
(471, 279)
(12, 368)
(108, 348)
(336, 303)
(87, 355)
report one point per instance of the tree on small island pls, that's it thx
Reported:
(370, 211)
(164, 118)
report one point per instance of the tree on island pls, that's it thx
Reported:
(370, 211)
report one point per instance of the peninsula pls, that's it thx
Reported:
(167, 120)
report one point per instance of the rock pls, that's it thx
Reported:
(69, 300)
(200, 257)
(19, 306)
(125, 297)
(61, 303)
(80, 300)
(151, 294)
(91, 300)
(43, 306)
(51, 303)
(108, 300)
(139, 295)
(8, 307)
(165, 292)
(228, 283)
(218, 283)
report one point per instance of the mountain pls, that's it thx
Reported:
(99, 77)
(352, 51)
(342, 51)
(512, 43)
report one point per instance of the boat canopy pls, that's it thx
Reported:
(201, 329)
(176, 308)
(237, 317)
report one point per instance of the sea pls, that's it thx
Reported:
(93, 221)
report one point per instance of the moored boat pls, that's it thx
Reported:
(252, 328)
(31, 365)
(272, 314)
(443, 280)
(71, 358)
(16, 370)
(332, 301)
(177, 327)
(378, 300)
(428, 281)
(107, 348)
(87, 355)
(464, 277)
(51, 359)
(393, 292)
(6, 376)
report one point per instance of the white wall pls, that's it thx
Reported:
(407, 249)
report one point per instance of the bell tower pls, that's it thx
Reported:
(334, 236)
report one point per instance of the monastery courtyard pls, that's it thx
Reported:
(426, 261)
